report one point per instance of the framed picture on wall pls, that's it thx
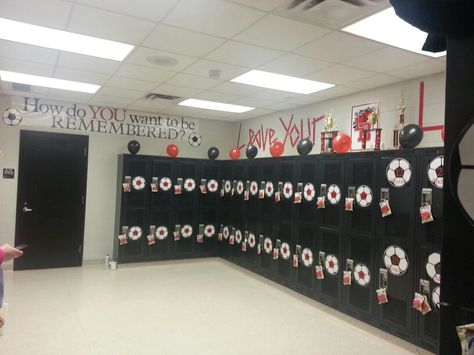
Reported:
(361, 125)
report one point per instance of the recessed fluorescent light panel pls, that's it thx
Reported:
(388, 28)
(64, 41)
(47, 82)
(217, 106)
(281, 82)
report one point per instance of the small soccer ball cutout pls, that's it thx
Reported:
(165, 184)
(309, 192)
(398, 172)
(240, 187)
(138, 183)
(395, 260)
(161, 232)
(269, 189)
(307, 257)
(436, 172)
(253, 188)
(227, 186)
(435, 296)
(267, 245)
(195, 139)
(364, 196)
(361, 275)
(186, 231)
(334, 194)
(212, 185)
(12, 117)
(433, 267)
(225, 232)
(135, 233)
(189, 184)
(209, 230)
(238, 236)
(288, 190)
(285, 250)
(331, 264)
(251, 240)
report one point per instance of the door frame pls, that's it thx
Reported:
(24, 135)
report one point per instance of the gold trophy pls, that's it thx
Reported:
(328, 134)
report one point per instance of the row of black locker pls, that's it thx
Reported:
(360, 239)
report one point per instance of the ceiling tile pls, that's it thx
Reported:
(386, 59)
(104, 100)
(228, 72)
(127, 94)
(279, 106)
(251, 114)
(243, 54)
(150, 9)
(108, 25)
(236, 89)
(254, 101)
(215, 115)
(292, 64)
(131, 84)
(193, 81)
(176, 110)
(87, 63)
(69, 96)
(144, 73)
(265, 5)
(338, 47)
(420, 69)
(141, 54)
(216, 96)
(181, 41)
(213, 17)
(280, 33)
(340, 74)
(372, 82)
(26, 52)
(80, 75)
(174, 90)
(25, 67)
(150, 106)
(48, 13)
(337, 91)
(276, 95)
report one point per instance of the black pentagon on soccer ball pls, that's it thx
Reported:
(11, 116)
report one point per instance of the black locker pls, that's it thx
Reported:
(252, 219)
(398, 230)
(225, 207)
(238, 215)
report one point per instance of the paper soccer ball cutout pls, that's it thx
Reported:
(433, 267)
(362, 274)
(12, 117)
(436, 172)
(307, 257)
(240, 187)
(186, 231)
(238, 236)
(435, 296)
(331, 264)
(334, 194)
(464, 188)
(161, 232)
(225, 232)
(251, 240)
(267, 245)
(288, 189)
(195, 139)
(165, 183)
(212, 185)
(364, 196)
(138, 183)
(269, 189)
(398, 172)
(285, 250)
(395, 260)
(309, 192)
(253, 188)
(209, 230)
(189, 184)
(227, 186)
(135, 233)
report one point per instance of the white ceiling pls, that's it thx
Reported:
(233, 36)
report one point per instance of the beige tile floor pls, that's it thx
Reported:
(206, 306)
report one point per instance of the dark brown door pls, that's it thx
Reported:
(51, 199)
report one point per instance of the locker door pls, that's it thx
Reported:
(225, 207)
(252, 220)
(238, 215)
(266, 171)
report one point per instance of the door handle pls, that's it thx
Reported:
(26, 209)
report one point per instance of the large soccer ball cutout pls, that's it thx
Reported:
(225, 232)
(253, 188)
(227, 186)
(362, 274)
(433, 267)
(135, 233)
(161, 233)
(268, 245)
(189, 184)
(238, 236)
(395, 260)
(240, 187)
(331, 264)
(209, 230)
(212, 185)
(195, 139)
(435, 296)
(436, 172)
(287, 190)
(251, 240)
(398, 172)
(285, 250)
(186, 231)
(334, 194)
(138, 183)
(12, 117)
(165, 183)
(307, 257)
(464, 189)
(269, 189)
(364, 196)
(309, 192)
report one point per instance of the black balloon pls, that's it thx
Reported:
(251, 151)
(304, 146)
(410, 136)
(133, 147)
(213, 153)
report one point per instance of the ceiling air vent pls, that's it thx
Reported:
(155, 96)
(21, 87)
(308, 4)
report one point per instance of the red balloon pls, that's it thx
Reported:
(276, 149)
(234, 153)
(172, 150)
(442, 133)
(342, 143)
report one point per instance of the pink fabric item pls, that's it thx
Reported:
(2, 256)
